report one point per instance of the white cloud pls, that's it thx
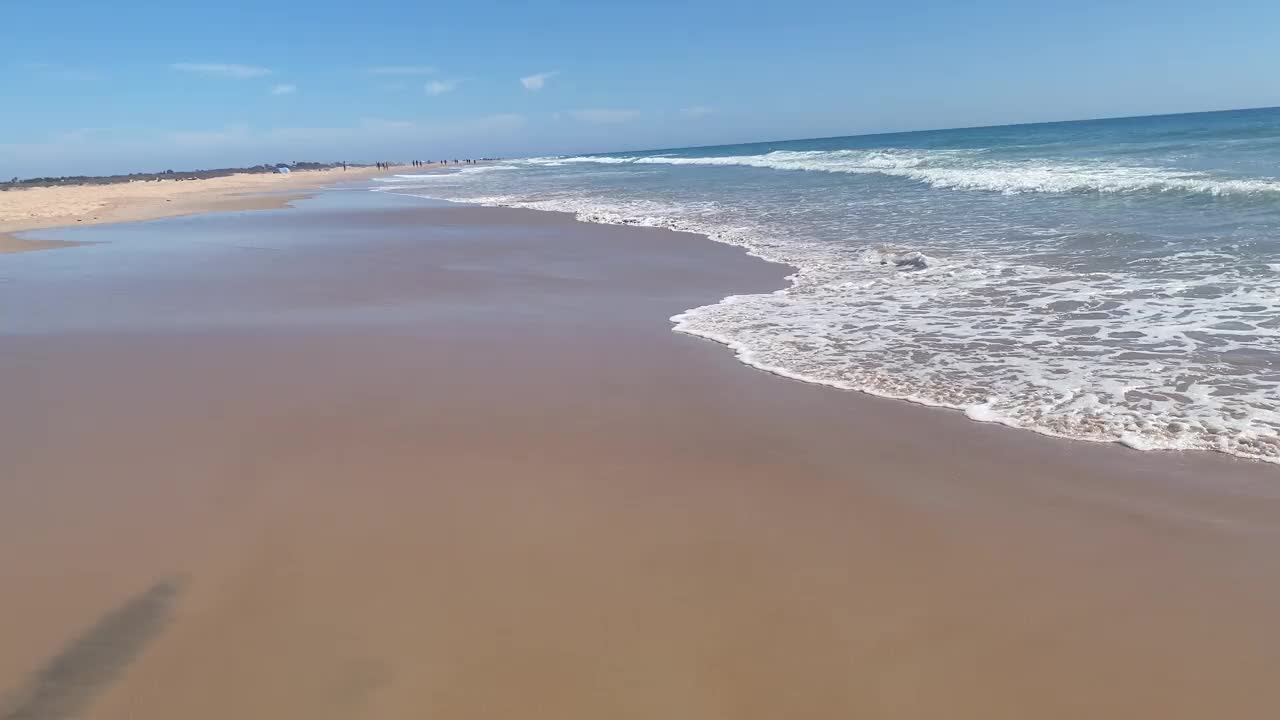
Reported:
(284, 89)
(603, 117)
(535, 82)
(229, 70)
(403, 70)
(697, 111)
(439, 87)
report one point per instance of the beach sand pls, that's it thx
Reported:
(452, 462)
(46, 207)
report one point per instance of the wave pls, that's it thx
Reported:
(968, 170)
(999, 338)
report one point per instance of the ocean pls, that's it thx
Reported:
(1108, 280)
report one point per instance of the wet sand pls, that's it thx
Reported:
(451, 462)
(11, 244)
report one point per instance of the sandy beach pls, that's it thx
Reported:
(46, 207)
(372, 457)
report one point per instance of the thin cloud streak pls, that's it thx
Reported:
(439, 87)
(403, 70)
(228, 70)
(600, 116)
(284, 89)
(55, 70)
(537, 81)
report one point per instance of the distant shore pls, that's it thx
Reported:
(93, 204)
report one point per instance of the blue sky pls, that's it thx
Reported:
(93, 86)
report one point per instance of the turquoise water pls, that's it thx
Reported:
(1110, 280)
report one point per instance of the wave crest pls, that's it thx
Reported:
(967, 170)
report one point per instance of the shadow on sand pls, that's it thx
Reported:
(67, 683)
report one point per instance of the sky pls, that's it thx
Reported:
(94, 87)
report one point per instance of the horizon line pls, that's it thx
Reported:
(879, 133)
(937, 129)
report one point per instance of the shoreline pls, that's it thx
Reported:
(236, 199)
(742, 355)
(44, 208)
(418, 452)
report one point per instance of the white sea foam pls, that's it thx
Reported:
(968, 170)
(1186, 357)
(444, 173)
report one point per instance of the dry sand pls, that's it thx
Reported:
(46, 207)
(453, 463)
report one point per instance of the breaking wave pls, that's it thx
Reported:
(967, 170)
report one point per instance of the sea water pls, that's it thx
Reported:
(1109, 280)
